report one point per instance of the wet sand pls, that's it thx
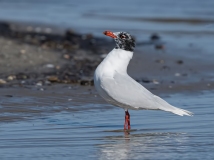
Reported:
(34, 61)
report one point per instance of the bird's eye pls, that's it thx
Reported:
(122, 36)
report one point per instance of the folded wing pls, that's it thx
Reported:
(126, 91)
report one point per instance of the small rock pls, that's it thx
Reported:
(48, 30)
(86, 81)
(66, 56)
(155, 82)
(39, 84)
(146, 81)
(38, 29)
(2, 81)
(49, 66)
(47, 82)
(8, 96)
(160, 46)
(70, 99)
(22, 51)
(180, 62)
(53, 79)
(58, 67)
(29, 28)
(23, 82)
(154, 36)
(10, 78)
(21, 76)
(177, 74)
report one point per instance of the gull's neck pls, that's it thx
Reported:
(118, 60)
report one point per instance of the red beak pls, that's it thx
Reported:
(110, 34)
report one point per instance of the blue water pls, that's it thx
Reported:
(95, 130)
(193, 19)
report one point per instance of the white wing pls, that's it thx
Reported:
(127, 92)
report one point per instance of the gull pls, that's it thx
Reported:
(114, 85)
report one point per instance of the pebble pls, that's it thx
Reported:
(49, 66)
(180, 62)
(58, 67)
(22, 51)
(2, 81)
(146, 81)
(11, 78)
(23, 82)
(47, 82)
(155, 82)
(177, 74)
(8, 95)
(66, 56)
(38, 29)
(53, 79)
(29, 28)
(39, 84)
(154, 36)
(48, 30)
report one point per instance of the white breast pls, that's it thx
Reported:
(116, 61)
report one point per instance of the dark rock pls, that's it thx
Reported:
(179, 62)
(154, 36)
(146, 81)
(8, 96)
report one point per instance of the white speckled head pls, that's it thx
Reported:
(123, 40)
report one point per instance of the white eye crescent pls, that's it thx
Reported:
(122, 36)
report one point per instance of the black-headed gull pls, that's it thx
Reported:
(118, 88)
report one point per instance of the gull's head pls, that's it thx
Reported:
(123, 40)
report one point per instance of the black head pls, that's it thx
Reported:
(123, 40)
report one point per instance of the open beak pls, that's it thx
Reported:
(110, 34)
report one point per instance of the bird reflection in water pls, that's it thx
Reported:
(126, 135)
(142, 145)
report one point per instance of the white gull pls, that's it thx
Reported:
(118, 88)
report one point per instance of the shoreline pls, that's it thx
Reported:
(41, 57)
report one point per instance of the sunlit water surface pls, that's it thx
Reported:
(93, 130)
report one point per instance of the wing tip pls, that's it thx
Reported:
(182, 112)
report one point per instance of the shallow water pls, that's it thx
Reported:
(82, 126)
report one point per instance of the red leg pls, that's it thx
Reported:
(127, 121)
